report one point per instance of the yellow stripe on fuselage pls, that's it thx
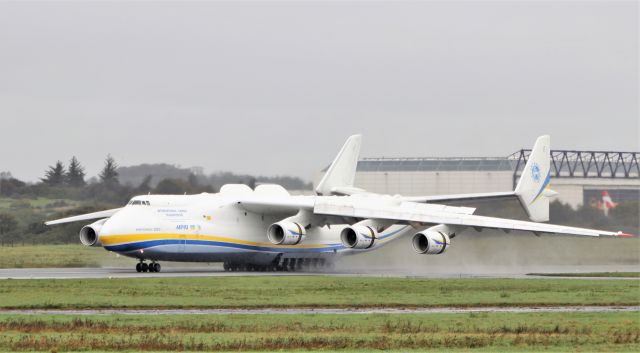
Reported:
(111, 240)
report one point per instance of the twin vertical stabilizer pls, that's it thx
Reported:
(342, 171)
(533, 188)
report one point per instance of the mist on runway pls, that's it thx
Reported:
(494, 252)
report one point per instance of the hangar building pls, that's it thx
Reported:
(578, 176)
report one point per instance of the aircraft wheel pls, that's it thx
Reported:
(225, 266)
(139, 267)
(157, 267)
(144, 267)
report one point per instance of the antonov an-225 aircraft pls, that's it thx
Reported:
(268, 229)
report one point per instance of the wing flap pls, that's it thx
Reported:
(494, 196)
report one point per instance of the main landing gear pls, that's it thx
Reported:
(144, 267)
(287, 265)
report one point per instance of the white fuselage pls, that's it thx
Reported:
(213, 228)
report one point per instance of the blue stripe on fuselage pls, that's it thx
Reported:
(153, 243)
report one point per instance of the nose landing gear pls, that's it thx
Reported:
(144, 267)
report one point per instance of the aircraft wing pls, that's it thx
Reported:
(84, 217)
(428, 214)
(403, 212)
(464, 197)
(275, 206)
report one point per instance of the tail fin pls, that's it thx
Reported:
(533, 187)
(342, 171)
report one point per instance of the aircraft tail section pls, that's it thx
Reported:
(342, 171)
(533, 188)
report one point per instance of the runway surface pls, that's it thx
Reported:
(265, 311)
(213, 271)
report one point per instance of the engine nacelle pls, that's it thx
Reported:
(286, 233)
(358, 236)
(431, 242)
(90, 234)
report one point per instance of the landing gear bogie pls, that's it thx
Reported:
(151, 267)
(283, 265)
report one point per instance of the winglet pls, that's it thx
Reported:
(533, 187)
(620, 234)
(342, 171)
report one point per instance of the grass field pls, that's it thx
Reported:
(590, 274)
(312, 291)
(37, 202)
(39, 256)
(443, 332)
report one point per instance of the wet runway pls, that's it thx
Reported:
(297, 311)
(217, 271)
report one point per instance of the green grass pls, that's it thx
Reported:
(39, 256)
(508, 332)
(588, 274)
(311, 291)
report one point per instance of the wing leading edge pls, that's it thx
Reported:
(85, 217)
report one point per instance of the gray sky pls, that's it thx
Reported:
(275, 88)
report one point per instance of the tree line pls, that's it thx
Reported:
(74, 175)
(69, 181)
(64, 190)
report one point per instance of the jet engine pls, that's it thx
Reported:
(89, 234)
(358, 236)
(431, 241)
(286, 233)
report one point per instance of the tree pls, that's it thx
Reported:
(109, 174)
(145, 185)
(171, 187)
(10, 187)
(55, 175)
(8, 223)
(75, 173)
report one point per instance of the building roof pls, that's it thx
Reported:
(564, 163)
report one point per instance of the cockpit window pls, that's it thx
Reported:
(139, 202)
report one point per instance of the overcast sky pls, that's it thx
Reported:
(275, 88)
